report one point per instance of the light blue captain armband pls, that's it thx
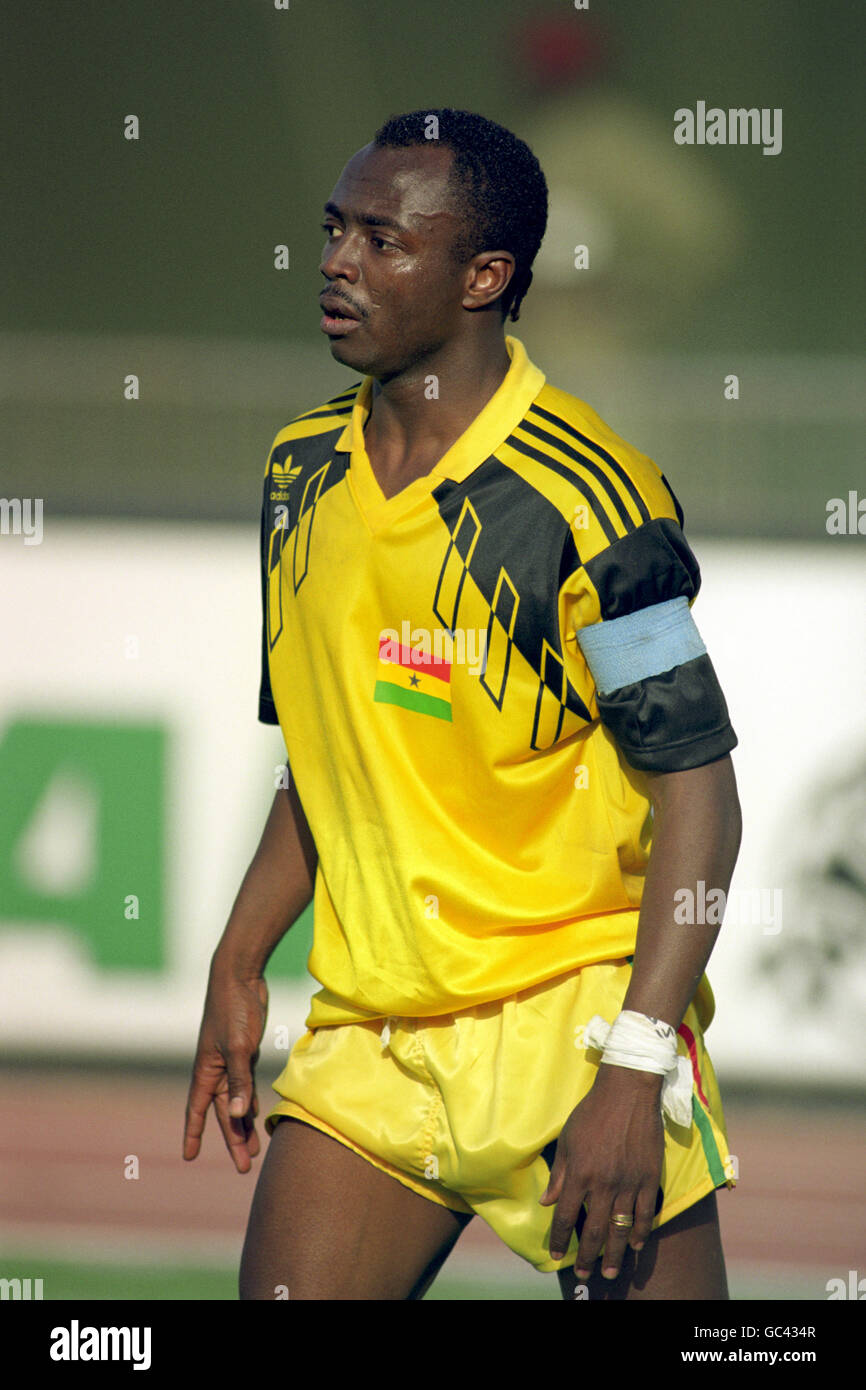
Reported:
(622, 651)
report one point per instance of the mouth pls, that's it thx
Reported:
(338, 318)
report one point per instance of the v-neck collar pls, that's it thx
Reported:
(490, 428)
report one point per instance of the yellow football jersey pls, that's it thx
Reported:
(471, 678)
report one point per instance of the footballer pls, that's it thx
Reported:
(510, 1021)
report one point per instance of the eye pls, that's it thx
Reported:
(328, 227)
(382, 243)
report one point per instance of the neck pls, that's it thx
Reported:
(420, 413)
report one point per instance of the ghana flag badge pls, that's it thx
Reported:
(413, 680)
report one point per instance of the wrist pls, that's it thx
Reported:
(628, 1078)
(232, 961)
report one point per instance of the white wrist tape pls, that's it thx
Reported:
(646, 1044)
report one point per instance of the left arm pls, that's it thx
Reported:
(697, 829)
(611, 1149)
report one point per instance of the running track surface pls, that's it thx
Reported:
(799, 1208)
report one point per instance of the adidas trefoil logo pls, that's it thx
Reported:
(282, 477)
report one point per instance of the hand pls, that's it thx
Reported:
(608, 1156)
(224, 1070)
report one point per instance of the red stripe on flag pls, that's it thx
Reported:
(689, 1039)
(398, 655)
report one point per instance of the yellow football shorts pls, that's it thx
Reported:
(465, 1109)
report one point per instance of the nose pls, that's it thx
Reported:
(339, 260)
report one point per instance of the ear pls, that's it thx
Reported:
(487, 276)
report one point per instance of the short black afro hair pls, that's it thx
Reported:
(499, 186)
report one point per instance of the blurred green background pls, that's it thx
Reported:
(156, 256)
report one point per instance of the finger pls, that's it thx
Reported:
(240, 1078)
(239, 1131)
(253, 1144)
(565, 1219)
(599, 1204)
(234, 1133)
(200, 1097)
(617, 1240)
(644, 1213)
(557, 1176)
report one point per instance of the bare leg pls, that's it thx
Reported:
(681, 1260)
(326, 1224)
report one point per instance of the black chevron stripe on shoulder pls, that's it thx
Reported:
(625, 479)
(582, 486)
(605, 483)
(337, 406)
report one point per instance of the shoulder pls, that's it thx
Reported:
(583, 466)
(322, 419)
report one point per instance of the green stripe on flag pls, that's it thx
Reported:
(711, 1151)
(390, 694)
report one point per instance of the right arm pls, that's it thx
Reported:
(276, 888)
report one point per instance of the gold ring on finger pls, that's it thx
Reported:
(623, 1222)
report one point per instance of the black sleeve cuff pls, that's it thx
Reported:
(670, 722)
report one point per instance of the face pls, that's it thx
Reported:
(390, 224)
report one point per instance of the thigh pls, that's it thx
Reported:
(682, 1259)
(326, 1224)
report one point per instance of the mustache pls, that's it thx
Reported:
(342, 299)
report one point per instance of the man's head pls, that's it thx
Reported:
(439, 217)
